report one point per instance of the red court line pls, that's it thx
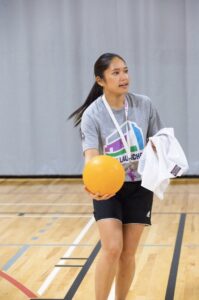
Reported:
(18, 285)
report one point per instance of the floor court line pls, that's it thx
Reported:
(45, 215)
(69, 266)
(112, 292)
(41, 193)
(18, 285)
(46, 204)
(83, 213)
(88, 245)
(79, 278)
(66, 215)
(47, 245)
(56, 270)
(175, 260)
(76, 283)
(19, 253)
(24, 248)
(42, 213)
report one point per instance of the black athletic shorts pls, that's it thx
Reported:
(131, 204)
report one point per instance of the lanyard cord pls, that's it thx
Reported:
(126, 108)
(125, 143)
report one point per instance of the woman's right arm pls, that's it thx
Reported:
(90, 153)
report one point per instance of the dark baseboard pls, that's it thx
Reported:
(38, 176)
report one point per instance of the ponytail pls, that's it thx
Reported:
(95, 92)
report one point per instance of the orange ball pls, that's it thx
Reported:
(103, 174)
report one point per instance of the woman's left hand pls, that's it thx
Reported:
(154, 148)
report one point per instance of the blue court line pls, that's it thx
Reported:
(43, 230)
(23, 249)
(34, 238)
(20, 252)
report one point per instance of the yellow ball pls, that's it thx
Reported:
(103, 174)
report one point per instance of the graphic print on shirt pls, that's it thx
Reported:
(115, 148)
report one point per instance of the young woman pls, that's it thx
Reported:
(121, 217)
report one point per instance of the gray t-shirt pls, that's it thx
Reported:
(99, 132)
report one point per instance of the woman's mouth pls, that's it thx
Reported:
(123, 85)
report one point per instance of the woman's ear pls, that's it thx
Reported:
(99, 81)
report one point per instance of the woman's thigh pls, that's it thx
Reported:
(111, 233)
(131, 237)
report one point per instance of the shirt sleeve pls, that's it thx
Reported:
(89, 133)
(155, 123)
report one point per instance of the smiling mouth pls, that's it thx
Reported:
(123, 85)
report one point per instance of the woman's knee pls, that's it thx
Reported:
(112, 251)
(127, 257)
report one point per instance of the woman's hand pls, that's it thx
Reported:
(154, 148)
(98, 196)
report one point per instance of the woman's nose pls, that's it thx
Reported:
(124, 76)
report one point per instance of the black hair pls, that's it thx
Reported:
(100, 66)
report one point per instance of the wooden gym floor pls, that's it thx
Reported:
(49, 243)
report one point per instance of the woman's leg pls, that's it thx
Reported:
(111, 235)
(126, 266)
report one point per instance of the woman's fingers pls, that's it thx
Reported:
(97, 196)
(153, 146)
(107, 196)
(102, 197)
(86, 189)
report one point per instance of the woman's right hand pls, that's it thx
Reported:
(98, 196)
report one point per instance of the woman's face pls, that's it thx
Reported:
(116, 78)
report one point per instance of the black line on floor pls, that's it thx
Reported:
(175, 260)
(76, 283)
(69, 266)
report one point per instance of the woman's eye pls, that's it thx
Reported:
(115, 73)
